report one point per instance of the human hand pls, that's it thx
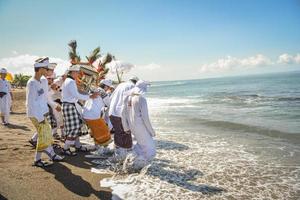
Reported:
(58, 108)
(94, 95)
(153, 134)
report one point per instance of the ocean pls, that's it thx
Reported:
(221, 138)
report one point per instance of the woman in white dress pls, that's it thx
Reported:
(135, 119)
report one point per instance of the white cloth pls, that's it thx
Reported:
(3, 71)
(43, 63)
(52, 96)
(93, 108)
(135, 118)
(36, 98)
(117, 98)
(5, 101)
(70, 93)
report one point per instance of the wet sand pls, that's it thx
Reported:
(71, 179)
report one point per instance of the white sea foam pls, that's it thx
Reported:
(189, 166)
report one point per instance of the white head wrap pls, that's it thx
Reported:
(140, 87)
(42, 62)
(52, 66)
(3, 71)
(106, 82)
(74, 68)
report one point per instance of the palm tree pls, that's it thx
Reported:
(20, 80)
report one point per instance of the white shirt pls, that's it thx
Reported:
(36, 98)
(5, 86)
(70, 93)
(117, 100)
(92, 108)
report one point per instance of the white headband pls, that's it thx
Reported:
(3, 71)
(45, 63)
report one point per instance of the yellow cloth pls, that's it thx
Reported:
(9, 77)
(45, 138)
(99, 131)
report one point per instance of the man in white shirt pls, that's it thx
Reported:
(73, 122)
(37, 110)
(5, 97)
(122, 140)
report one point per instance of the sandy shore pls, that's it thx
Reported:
(71, 179)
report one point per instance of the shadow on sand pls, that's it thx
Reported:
(73, 182)
(18, 113)
(15, 126)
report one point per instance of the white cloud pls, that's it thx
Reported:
(120, 66)
(151, 66)
(232, 63)
(288, 59)
(24, 64)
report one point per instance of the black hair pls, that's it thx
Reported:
(134, 81)
(102, 85)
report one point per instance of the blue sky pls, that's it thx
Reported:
(165, 39)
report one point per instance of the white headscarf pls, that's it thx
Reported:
(140, 87)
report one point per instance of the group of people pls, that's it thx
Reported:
(55, 103)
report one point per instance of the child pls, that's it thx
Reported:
(37, 110)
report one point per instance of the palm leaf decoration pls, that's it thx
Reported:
(74, 57)
(101, 67)
(95, 54)
(108, 59)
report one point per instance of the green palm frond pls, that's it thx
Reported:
(72, 52)
(73, 44)
(108, 59)
(95, 54)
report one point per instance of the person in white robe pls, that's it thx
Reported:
(135, 119)
(122, 140)
(5, 97)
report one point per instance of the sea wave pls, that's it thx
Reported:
(293, 137)
(168, 84)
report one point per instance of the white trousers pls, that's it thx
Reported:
(5, 103)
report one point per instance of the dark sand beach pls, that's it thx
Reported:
(71, 179)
